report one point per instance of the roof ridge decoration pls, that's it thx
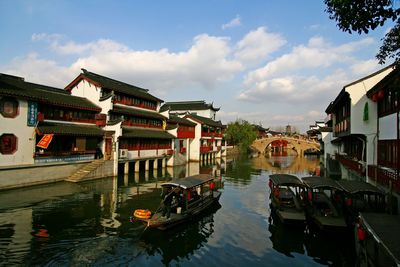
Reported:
(111, 79)
(112, 84)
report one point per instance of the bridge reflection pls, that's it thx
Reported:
(288, 164)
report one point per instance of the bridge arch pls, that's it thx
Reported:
(299, 145)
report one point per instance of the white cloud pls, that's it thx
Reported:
(257, 46)
(233, 23)
(307, 73)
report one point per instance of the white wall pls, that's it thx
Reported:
(92, 93)
(388, 127)
(25, 137)
(195, 143)
(368, 128)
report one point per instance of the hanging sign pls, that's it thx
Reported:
(45, 141)
(32, 113)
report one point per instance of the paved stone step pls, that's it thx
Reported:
(81, 173)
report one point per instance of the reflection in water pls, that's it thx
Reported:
(191, 236)
(286, 239)
(300, 166)
(86, 224)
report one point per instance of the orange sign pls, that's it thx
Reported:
(45, 141)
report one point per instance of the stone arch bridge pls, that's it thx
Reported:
(299, 145)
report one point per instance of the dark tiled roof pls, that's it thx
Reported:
(259, 127)
(69, 129)
(131, 132)
(390, 78)
(17, 87)
(204, 120)
(137, 112)
(171, 127)
(177, 120)
(115, 85)
(187, 105)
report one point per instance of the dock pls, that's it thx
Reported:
(381, 246)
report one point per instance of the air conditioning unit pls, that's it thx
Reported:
(123, 153)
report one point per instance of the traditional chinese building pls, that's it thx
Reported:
(208, 142)
(260, 131)
(31, 111)
(385, 97)
(135, 129)
(354, 125)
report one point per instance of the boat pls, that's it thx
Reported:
(324, 205)
(287, 198)
(191, 196)
(360, 196)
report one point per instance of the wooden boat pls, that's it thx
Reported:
(360, 196)
(287, 193)
(194, 194)
(324, 203)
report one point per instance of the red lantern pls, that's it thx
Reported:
(349, 202)
(310, 195)
(211, 185)
(381, 94)
(270, 184)
(375, 97)
(361, 234)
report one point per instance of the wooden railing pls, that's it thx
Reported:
(351, 164)
(205, 149)
(211, 134)
(185, 133)
(63, 153)
(385, 176)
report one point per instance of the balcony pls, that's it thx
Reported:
(211, 134)
(205, 149)
(185, 133)
(342, 127)
(351, 164)
(385, 176)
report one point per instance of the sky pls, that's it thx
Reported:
(270, 62)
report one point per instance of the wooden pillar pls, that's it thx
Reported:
(155, 164)
(126, 167)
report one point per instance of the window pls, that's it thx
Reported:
(8, 144)
(9, 107)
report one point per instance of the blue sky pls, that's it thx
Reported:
(269, 62)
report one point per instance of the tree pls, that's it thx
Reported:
(361, 16)
(240, 133)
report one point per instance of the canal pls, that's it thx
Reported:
(87, 224)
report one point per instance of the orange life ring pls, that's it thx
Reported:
(142, 214)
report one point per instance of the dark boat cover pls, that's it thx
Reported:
(285, 179)
(190, 181)
(353, 187)
(314, 182)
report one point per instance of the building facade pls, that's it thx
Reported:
(135, 129)
(208, 142)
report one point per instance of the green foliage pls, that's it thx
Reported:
(240, 133)
(361, 16)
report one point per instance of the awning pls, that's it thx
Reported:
(145, 133)
(314, 182)
(285, 179)
(190, 181)
(69, 129)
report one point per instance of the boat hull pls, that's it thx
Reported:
(162, 223)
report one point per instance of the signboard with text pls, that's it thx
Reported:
(32, 113)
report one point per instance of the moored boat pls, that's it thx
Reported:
(324, 203)
(287, 197)
(360, 196)
(190, 196)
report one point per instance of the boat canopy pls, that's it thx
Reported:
(190, 181)
(286, 179)
(353, 187)
(314, 182)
